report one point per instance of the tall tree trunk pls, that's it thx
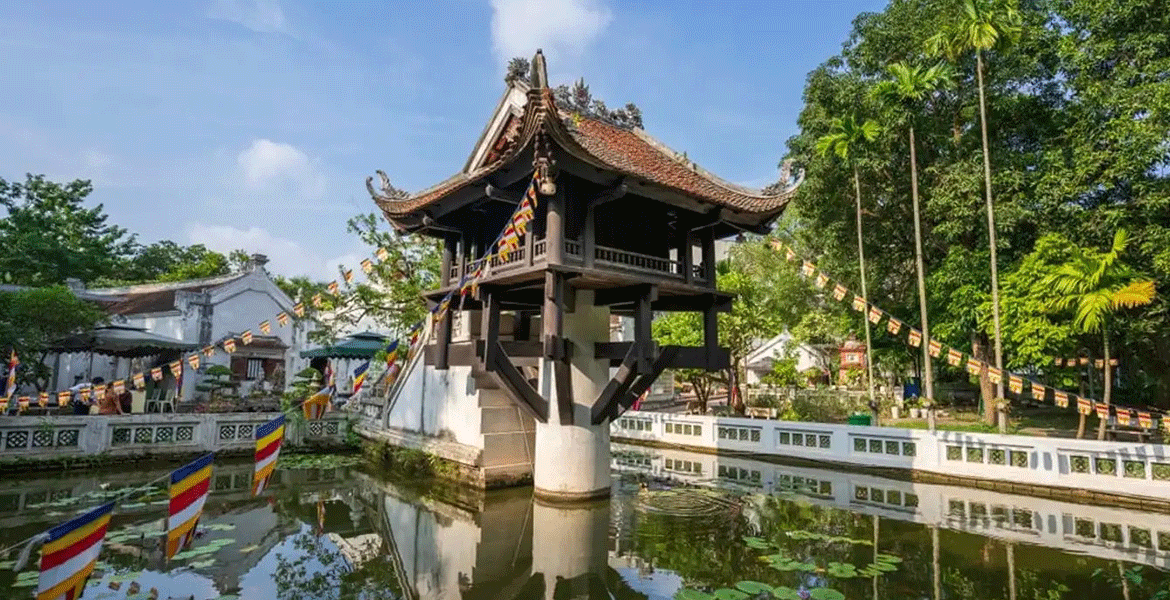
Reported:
(927, 365)
(1108, 395)
(873, 407)
(986, 389)
(990, 229)
(936, 569)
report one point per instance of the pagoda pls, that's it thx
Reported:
(621, 225)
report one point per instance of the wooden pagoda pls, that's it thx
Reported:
(618, 213)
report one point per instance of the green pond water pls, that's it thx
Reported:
(679, 525)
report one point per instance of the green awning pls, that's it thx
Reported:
(120, 340)
(358, 345)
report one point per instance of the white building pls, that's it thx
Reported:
(203, 312)
(759, 362)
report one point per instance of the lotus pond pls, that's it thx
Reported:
(679, 525)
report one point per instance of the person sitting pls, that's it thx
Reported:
(108, 404)
(126, 401)
(79, 406)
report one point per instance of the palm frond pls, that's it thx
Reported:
(1137, 293)
(1092, 309)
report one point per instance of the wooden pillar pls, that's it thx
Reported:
(710, 335)
(552, 315)
(688, 256)
(447, 261)
(443, 342)
(555, 229)
(643, 338)
(708, 240)
(490, 324)
(589, 236)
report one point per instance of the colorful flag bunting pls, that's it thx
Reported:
(382, 254)
(822, 280)
(1016, 384)
(156, 373)
(915, 338)
(1084, 361)
(317, 299)
(1099, 363)
(265, 327)
(839, 292)
(229, 345)
(63, 398)
(209, 351)
(317, 405)
(70, 553)
(807, 269)
(22, 403)
(1102, 410)
(246, 337)
(858, 303)
(269, 437)
(1038, 390)
(1058, 361)
(139, 380)
(875, 315)
(974, 366)
(177, 369)
(954, 357)
(359, 376)
(193, 360)
(299, 309)
(367, 266)
(119, 386)
(893, 326)
(994, 374)
(282, 319)
(333, 288)
(935, 348)
(99, 391)
(85, 391)
(1145, 419)
(188, 492)
(43, 399)
(1124, 417)
(789, 255)
(348, 275)
(1084, 405)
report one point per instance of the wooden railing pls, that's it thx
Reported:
(634, 260)
(575, 250)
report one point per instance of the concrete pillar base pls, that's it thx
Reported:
(557, 497)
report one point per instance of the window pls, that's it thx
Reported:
(255, 368)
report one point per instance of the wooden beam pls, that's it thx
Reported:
(710, 334)
(643, 339)
(701, 302)
(489, 325)
(501, 195)
(685, 357)
(443, 341)
(616, 388)
(512, 381)
(624, 295)
(563, 373)
(644, 381)
(552, 315)
(554, 230)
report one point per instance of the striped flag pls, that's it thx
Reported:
(367, 266)
(1084, 405)
(839, 292)
(1015, 384)
(282, 319)
(193, 360)
(70, 552)
(269, 436)
(246, 337)
(1102, 410)
(22, 403)
(954, 357)
(348, 275)
(317, 300)
(265, 327)
(822, 280)
(975, 366)
(858, 303)
(209, 351)
(382, 254)
(914, 338)
(893, 326)
(299, 309)
(1038, 390)
(1145, 419)
(188, 491)
(359, 376)
(935, 348)
(43, 399)
(875, 315)
(994, 374)
(63, 398)
(807, 269)
(333, 287)
(229, 345)
(156, 374)
(318, 404)
(392, 349)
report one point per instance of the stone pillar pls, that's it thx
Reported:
(573, 550)
(572, 460)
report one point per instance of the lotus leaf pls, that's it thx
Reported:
(786, 593)
(753, 587)
(689, 594)
(825, 594)
(730, 594)
(757, 543)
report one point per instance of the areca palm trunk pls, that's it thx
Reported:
(864, 294)
(1108, 395)
(990, 233)
(927, 365)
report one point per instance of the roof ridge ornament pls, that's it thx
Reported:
(539, 77)
(389, 192)
(787, 183)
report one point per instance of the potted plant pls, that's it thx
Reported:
(913, 408)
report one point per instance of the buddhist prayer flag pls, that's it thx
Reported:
(915, 338)
(348, 275)
(1061, 399)
(776, 244)
(43, 398)
(789, 255)
(1038, 391)
(1100, 364)
(269, 437)
(520, 221)
(936, 349)
(10, 387)
(177, 368)
(359, 376)
(63, 398)
(156, 374)
(70, 552)
(85, 391)
(209, 351)
(1113, 362)
(333, 287)
(392, 349)
(367, 266)
(139, 380)
(246, 337)
(282, 319)
(188, 490)
(1084, 361)
(317, 405)
(893, 326)
(119, 386)
(994, 374)
(839, 292)
(807, 269)
(229, 345)
(954, 357)
(1102, 410)
(299, 309)
(1145, 419)
(1124, 417)
(382, 254)
(975, 366)
(1084, 405)
(265, 327)
(193, 360)
(822, 280)
(1058, 361)
(858, 304)
(99, 390)
(22, 403)
(1016, 384)
(875, 315)
(317, 298)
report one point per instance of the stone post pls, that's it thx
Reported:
(572, 461)
(573, 547)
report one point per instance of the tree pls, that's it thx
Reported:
(167, 261)
(685, 329)
(32, 319)
(1096, 285)
(980, 26)
(846, 138)
(908, 88)
(49, 235)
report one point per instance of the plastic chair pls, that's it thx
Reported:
(137, 401)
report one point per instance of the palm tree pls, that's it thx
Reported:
(846, 136)
(982, 25)
(906, 89)
(1098, 284)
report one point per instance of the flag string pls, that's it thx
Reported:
(1015, 382)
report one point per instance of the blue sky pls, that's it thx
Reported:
(253, 123)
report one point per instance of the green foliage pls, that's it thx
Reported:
(216, 380)
(49, 235)
(783, 372)
(31, 319)
(168, 261)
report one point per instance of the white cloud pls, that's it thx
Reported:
(274, 168)
(560, 27)
(262, 16)
(285, 256)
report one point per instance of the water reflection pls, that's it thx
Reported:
(677, 520)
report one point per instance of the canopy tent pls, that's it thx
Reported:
(121, 341)
(358, 345)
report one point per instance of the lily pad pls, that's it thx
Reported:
(689, 594)
(825, 594)
(841, 570)
(786, 593)
(757, 543)
(753, 587)
(730, 594)
(888, 558)
(201, 564)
